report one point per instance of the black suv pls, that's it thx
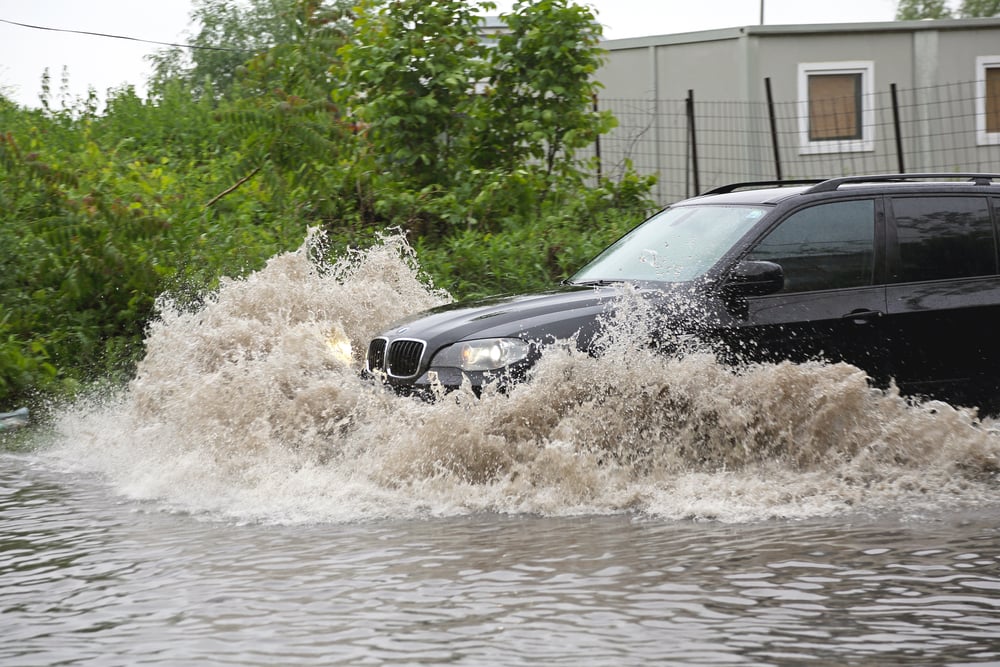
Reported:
(896, 274)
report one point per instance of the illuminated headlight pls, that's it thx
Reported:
(488, 354)
(340, 346)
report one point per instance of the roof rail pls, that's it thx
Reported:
(833, 184)
(733, 187)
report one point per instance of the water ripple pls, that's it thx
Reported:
(90, 579)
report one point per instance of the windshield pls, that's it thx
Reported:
(676, 245)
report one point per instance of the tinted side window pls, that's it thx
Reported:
(828, 246)
(943, 237)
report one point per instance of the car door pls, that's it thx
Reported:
(944, 294)
(832, 302)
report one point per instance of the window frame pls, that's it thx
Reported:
(875, 278)
(984, 137)
(894, 247)
(866, 68)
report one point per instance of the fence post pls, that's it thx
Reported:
(692, 142)
(597, 143)
(896, 126)
(774, 127)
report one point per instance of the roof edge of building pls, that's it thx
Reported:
(720, 34)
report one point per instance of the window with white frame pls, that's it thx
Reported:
(835, 107)
(988, 100)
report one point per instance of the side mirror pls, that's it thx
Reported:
(755, 278)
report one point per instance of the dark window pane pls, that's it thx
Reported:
(943, 237)
(829, 246)
(993, 99)
(834, 107)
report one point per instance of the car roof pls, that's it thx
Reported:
(774, 192)
(769, 196)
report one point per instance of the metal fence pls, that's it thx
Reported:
(694, 145)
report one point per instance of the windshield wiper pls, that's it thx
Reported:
(592, 283)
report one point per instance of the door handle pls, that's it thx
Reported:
(862, 315)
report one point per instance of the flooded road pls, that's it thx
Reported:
(249, 499)
(91, 579)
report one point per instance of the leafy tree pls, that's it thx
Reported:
(410, 69)
(280, 124)
(915, 10)
(280, 109)
(979, 8)
(462, 132)
(542, 85)
(422, 125)
(232, 33)
(304, 62)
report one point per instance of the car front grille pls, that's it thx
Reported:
(376, 354)
(400, 358)
(403, 359)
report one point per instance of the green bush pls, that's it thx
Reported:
(220, 168)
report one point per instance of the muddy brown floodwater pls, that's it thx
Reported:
(249, 499)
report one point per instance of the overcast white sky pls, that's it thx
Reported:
(106, 63)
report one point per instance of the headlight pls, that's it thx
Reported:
(488, 354)
(340, 346)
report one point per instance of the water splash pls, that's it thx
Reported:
(242, 408)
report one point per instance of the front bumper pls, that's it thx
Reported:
(435, 380)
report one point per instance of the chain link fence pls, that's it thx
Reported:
(694, 145)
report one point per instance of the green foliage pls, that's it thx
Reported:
(230, 34)
(538, 251)
(404, 118)
(979, 8)
(25, 366)
(457, 134)
(99, 216)
(916, 10)
(409, 69)
(542, 86)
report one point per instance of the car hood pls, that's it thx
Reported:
(542, 316)
(519, 315)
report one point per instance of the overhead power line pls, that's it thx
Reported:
(131, 39)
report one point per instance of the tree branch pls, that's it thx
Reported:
(232, 188)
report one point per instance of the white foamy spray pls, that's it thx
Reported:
(247, 409)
